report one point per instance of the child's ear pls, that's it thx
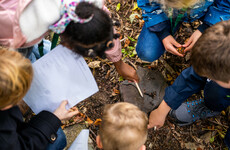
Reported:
(143, 147)
(98, 140)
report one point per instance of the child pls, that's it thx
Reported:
(15, 78)
(163, 17)
(124, 127)
(26, 24)
(210, 71)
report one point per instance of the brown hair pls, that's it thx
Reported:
(15, 77)
(124, 127)
(211, 53)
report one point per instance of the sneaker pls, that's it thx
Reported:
(189, 112)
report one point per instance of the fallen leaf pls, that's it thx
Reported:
(141, 23)
(206, 137)
(221, 134)
(116, 91)
(82, 115)
(94, 64)
(89, 121)
(118, 7)
(132, 39)
(133, 16)
(190, 145)
(97, 122)
(169, 78)
(223, 113)
(212, 139)
(135, 7)
(127, 42)
(63, 126)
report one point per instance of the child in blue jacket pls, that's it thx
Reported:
(210, 71)
(163, 18)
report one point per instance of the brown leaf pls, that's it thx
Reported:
(127, 42)
(116, 91)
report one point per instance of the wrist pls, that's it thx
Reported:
(164, 108)
(118, 64)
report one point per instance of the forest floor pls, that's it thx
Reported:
(201, 135)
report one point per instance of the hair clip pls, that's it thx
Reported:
(110, 44)
(90, 52)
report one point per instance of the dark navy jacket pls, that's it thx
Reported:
(189, 83)
(35, 135)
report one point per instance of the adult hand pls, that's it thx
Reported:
(157, 116)
(171, 45)
(192, 40)
(62, 113)
(126, 71)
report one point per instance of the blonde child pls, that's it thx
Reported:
(124, 127)
(15, 78)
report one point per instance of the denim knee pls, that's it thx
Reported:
(148, 54)
(149, 47)
(60, 142)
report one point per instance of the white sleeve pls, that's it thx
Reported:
(38, 16)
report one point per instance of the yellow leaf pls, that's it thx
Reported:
(118, 7)
(135, 7)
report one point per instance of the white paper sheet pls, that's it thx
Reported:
(59, 75)
(81, 142)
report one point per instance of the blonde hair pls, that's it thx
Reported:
(124, 127)
(15, 77)
(178, 3)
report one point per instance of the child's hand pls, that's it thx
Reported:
(156, 119)
(126, 71)
(192, 40)
(157, 116)
(64, 114)
(171, 45)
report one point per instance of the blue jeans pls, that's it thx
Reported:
(35, 55)
(60, 142)
(32, 53)
(217, 98)
(149, 47)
